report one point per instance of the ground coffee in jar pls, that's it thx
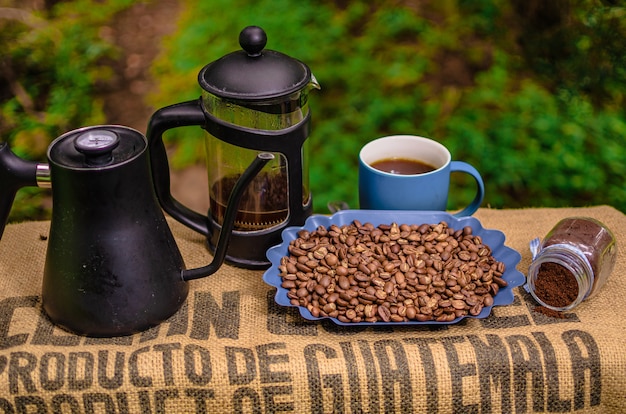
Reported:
(572, 263)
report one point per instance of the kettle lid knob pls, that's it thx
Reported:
(97, 145)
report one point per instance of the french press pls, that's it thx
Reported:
(253, 100)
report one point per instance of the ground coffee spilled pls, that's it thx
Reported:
(555, 285)
(550, 312)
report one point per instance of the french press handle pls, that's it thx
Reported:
(188, 113)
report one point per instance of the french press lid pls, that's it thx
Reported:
(254, 74)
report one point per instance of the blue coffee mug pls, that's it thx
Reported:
(381, 190)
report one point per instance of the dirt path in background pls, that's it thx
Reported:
(138, 32)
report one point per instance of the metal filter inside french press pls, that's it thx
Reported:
(253, 100)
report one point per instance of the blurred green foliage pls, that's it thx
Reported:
(52, 62)
(530, 92)
(50, 67)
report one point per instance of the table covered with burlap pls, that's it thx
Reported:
(230, 348)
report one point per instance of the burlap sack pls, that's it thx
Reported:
(232, 349)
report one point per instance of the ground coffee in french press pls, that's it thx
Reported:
(263, 204)
(572, 263)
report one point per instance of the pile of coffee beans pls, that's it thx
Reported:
(392, 273)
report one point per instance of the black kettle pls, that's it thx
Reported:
(112, 265)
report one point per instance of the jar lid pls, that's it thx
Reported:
(254, 74)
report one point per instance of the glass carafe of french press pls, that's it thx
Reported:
(253, 100)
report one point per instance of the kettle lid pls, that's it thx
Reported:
(96, 147)
(254, 74)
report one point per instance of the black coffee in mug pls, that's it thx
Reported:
(402, 166)
(383, 190)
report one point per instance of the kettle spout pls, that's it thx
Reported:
(229, 218)
(15, 173)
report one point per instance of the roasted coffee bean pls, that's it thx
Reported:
(351, 314)
(371, 298)
(476, 309)
(359, 272)
(488, 301)
(500, 282)
(384, 313)
(343, 282)
(320, 290)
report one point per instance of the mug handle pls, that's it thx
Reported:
(461, 166)
(188, 113)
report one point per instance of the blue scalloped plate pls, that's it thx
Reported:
(493, 238)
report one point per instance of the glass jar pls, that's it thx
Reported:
(572, 263)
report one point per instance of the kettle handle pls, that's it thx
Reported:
(182, 114)
(15, 173)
